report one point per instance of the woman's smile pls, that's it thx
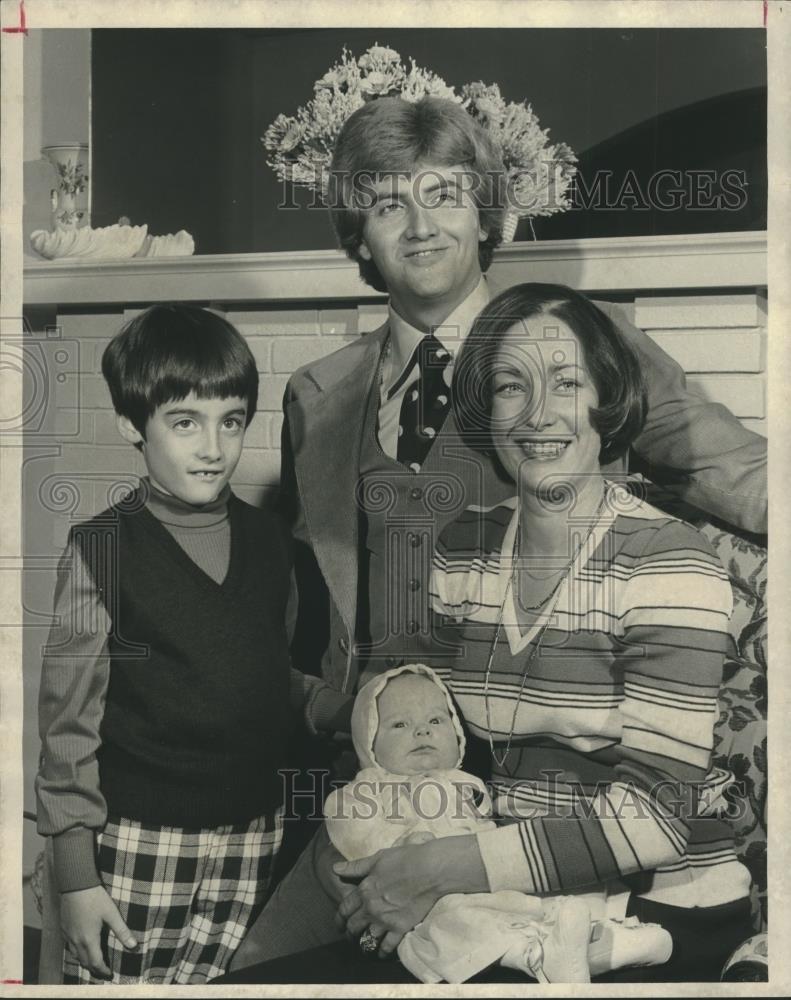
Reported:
(543, 449)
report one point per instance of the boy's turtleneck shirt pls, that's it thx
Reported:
(173, 733)
(203, 532)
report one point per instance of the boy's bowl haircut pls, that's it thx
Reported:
(171, 350)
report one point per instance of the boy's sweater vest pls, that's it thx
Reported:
(197, 711)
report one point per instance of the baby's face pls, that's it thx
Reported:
(416, 734)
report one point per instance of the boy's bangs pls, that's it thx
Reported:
(222, 384)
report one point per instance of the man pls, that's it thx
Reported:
(372, 466)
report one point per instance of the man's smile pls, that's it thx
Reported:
(427, 253)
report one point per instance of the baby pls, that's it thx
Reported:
(410, 743)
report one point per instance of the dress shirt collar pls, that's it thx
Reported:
(404, 337)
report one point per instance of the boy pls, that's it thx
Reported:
(166, 685)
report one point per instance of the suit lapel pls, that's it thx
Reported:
(327, 430)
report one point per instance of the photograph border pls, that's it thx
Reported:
(16, 18)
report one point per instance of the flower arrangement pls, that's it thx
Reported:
(538, 174)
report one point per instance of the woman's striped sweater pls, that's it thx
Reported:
(609, 767)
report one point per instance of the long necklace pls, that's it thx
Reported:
(551, 601)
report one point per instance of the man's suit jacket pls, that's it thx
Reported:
(702, 451)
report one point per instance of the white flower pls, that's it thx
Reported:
(343, 76)
(292, 137)
(489, 109)
(333, 78)
(378, 56)
(378, 84)
(420, 83)
(484, 101)
(275, 136)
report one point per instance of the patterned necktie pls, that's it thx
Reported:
(425, 404)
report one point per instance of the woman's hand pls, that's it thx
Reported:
(399, 886)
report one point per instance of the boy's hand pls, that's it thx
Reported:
(83, 914)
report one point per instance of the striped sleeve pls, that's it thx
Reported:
(74, 677)
(674, 614)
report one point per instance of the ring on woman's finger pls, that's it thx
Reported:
(369, 942)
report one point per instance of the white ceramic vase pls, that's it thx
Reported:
(70, 202)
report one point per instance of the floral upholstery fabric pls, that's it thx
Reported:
(740, 736)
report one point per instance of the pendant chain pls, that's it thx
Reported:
(551, 600)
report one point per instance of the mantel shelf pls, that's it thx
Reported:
(722, 260)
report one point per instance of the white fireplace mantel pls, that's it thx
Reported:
(722, 260)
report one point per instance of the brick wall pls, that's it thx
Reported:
(720, 342)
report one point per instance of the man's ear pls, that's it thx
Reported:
(482, 234)
(127, 430)
(364, 252)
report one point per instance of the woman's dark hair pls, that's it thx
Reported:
(610, 361)
(389, 136)
(171, 350)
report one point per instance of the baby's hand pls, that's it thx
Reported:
(414, 837)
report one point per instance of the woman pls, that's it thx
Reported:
(594, 629)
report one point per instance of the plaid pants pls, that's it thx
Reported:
(186, 895)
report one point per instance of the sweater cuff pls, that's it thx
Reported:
(74, 855)
(328, 711)
(504, 858)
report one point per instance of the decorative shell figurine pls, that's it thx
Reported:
(110, 243)
(179, 244)
(119, 242)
